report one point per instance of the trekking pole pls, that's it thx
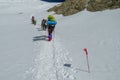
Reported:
(87, 59)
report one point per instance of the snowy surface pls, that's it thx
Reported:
(25, 53)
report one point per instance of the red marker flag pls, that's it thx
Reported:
(86, 51)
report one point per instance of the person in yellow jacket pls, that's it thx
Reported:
(51, 25)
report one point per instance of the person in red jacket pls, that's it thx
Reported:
(33, 20)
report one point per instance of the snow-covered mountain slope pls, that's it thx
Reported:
(26, 54)
(99, 33)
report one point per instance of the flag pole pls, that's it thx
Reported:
(85, 49)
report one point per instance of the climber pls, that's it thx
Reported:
(51, 26)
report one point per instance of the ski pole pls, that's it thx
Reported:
(85, 49)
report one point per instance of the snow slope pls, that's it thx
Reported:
(99, 33)
(26, 54)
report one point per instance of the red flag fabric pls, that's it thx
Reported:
(85, 49)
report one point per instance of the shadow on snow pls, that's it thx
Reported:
(42, 38)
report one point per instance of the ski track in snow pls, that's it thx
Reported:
(49, 64)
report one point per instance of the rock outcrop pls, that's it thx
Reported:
(70, 7)
(100, 5)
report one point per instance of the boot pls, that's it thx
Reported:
(50, 37)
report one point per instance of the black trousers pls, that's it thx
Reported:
(50, 29)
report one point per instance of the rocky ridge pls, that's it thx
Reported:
(70, 7)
